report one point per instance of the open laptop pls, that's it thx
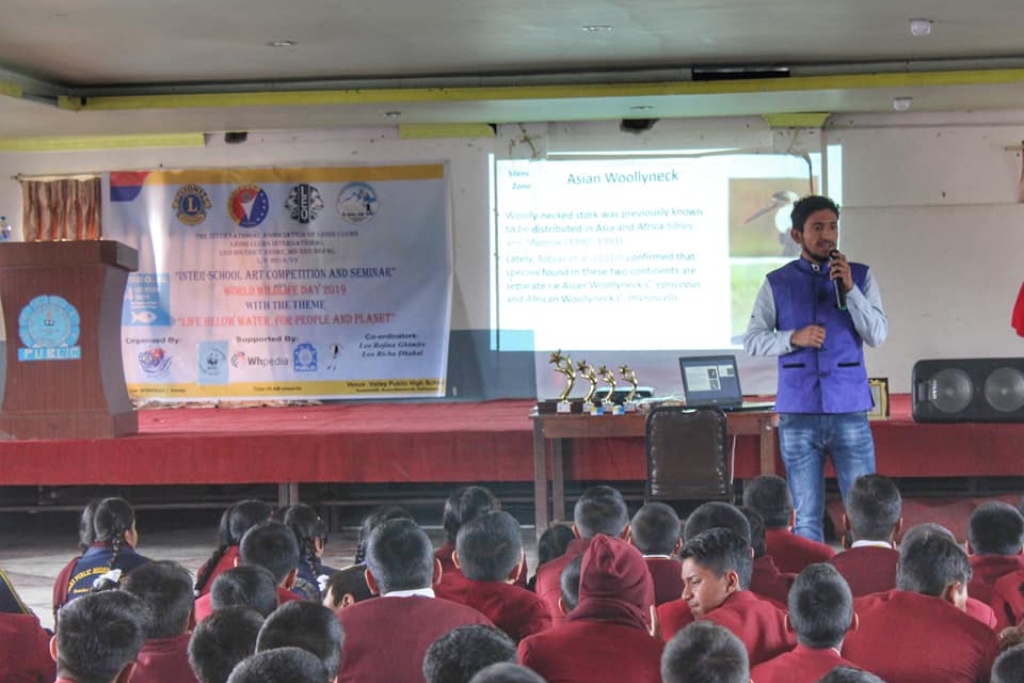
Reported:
(713, 381)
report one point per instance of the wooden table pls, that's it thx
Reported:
(558, 428)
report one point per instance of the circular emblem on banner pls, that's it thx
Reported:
(49, 322)
(304, 203)
(191, 204)
(304, 357)
(239, 359)
(358, 203)
(154, 362)
(248, 206)
(211, 362)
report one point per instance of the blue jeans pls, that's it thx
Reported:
(806, 440)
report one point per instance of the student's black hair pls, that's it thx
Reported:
(873, 507)
(769, 495)
(271, 545)
(221, 641)
(282, 665)
(930, 560)
(348, 581)
(705, 652)
(506, 673)
(716, 515)
(98, 635)
(307, 625)
(113, 518)
(399, 556)
(721, 550)
(309, 529)
(1009, 666)
(165, 588)
(247, 585)
(820, 606)
(554, 542)
(490, 546)
(600, 510)
(376, 517)
(464, 505)
(847, 674)
(655, 529)
(234, 522)
(569, 583)
(459, 654)
(996, 528)
(804, 207)
(758, 538)
(86, 530)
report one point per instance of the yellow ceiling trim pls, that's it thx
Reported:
(424, 131)
(92, 142)
(796, 120)
(541, 92)
(9, 89)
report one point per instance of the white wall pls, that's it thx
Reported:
(930, 202)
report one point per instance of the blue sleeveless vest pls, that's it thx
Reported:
(828, 380)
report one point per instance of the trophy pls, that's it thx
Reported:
(563, 366)
(628, 374)
(608, 402)
(586, 370)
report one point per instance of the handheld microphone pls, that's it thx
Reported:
(840, 287)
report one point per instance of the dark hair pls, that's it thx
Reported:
(221, 641)
(165, 588)
(873, 507)
(716, 515)
(271, 545)
(399, 556)
(113, 518)
(758, 540)
(820, 606)
(569, 583)
(804, 207)
(705, 652)
(282, 665)
(930, 561)
(769, 495)
(98, 635)
(554, 542)
(376, 517)
(847, 674)
(1009, 666)
(86, 530)
(655, 529)
(247, 585)
(456, 656)
(234, 522)
(309, 529)
(996, 528)
(490, 547)
(506, 673)
(721, 550)
(348, 581)
(307, 625)
(466, 504)
(600, 510)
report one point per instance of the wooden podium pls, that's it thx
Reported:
(62, 306)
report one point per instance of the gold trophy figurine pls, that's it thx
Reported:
(608, 402)
(587, 372)
(628, 374)
(563, 365)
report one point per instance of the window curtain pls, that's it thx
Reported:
(60, 209)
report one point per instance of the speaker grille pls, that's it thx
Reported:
(950, 390)
(1004, 389)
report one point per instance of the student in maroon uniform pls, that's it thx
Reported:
(235, 521)
(306, 625)
(770, 496)
(995, 537)
(599, 510)
(873, 518)
(489, 551)
(766, 579)
(346, 587)
(655, 531)
(553, 543)
(919, 631)
(283, 665)
(716, 569)
(24, 650)
(165, 588)
(820, 612)
(1009, 666)
(459, 654)
(221, 641)
(98, 637)
(248, 585)
(607, 636)
(705, 653)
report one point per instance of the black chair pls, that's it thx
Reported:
(687, 455)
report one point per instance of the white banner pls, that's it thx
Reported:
(259, 283)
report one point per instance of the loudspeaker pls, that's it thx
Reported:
(968, 390)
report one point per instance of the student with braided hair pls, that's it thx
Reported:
(235, 521)
(311, 533)
(111, 555)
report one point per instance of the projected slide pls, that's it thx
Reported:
(641, 254)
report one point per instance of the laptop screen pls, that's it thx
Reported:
(711, 381)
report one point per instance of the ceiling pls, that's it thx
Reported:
(122, 67)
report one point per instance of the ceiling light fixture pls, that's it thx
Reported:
(920, 27)
(596, 28)
(282, 43)
(393, 114)
(902, 103)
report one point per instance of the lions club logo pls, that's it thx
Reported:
(191, 204)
